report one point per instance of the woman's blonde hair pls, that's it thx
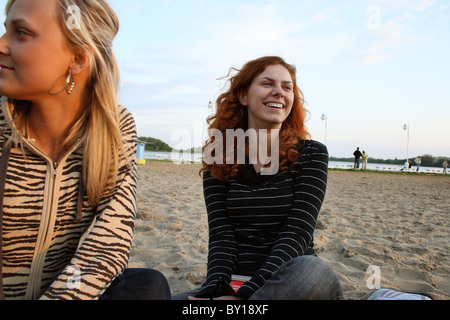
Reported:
(98, 127)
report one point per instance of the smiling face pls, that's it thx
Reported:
(269, 99)
(34, 54)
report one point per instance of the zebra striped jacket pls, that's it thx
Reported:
(48, 252)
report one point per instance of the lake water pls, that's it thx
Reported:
(197, 158)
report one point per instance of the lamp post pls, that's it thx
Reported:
(325, 118)
(406, 128)
(210, 106)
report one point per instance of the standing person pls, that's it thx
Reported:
(262, 226)
(357, 154)
(405, 166)
(365, 159)
(444, 164)
(418, 162)
(68, 158)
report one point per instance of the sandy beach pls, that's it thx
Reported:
(395, 222)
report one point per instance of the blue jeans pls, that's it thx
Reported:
(138, 284)
(302, 278)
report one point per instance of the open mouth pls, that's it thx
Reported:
(274, 105)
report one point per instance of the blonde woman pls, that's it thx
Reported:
(67, 168)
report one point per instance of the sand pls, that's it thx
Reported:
(397, 223)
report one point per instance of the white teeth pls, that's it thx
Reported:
(274, 105)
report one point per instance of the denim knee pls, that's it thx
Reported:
(315, 278)
(302, 278)
(138, 284)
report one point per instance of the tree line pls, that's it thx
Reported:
(157, 145)
(427, 160)
(153, 144)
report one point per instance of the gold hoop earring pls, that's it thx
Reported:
(68, 88)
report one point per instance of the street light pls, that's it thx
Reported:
(406, 128)
(325, 118)
(210, 106)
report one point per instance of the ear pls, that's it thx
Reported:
(243, 99)
(80, 63)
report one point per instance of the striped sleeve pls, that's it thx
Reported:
(310, 174)
(104, 251)
(222, 243)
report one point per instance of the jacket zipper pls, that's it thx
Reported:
(47, 222)
(45, 235)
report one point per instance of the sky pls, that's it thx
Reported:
(369, 66)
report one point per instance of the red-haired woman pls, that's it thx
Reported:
(261, 225)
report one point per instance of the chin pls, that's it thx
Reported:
(11, 95)
(5, 92)
(277, 122)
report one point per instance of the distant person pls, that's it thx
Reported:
(358, 156)
(365, 159)
(406, 166)
(418, 162)
(444, 164)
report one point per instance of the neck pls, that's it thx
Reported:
(259, 125)
(50, 120)
(267, 147)
(266, 132)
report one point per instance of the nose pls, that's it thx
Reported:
(278, 91)
(4, 48)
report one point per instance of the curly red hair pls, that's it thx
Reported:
(231, 114)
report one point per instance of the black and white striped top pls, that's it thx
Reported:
(257, 223)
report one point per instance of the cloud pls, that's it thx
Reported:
(386, 36)
(414, 5)
(170, 64)
(376, 45)
(421, 5)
